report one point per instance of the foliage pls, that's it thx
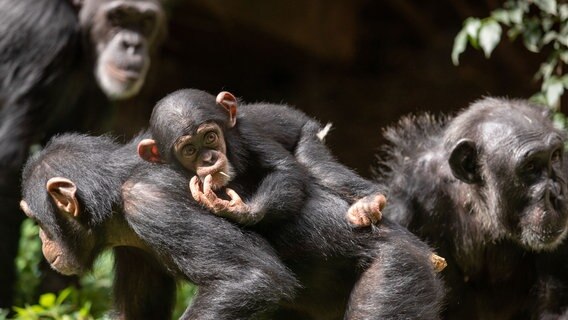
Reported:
(65, 306)
(543, 27)
(90, 301)
(27, 263)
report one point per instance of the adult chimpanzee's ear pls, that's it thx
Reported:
(62, 191)
(229, 102)
(464, 163)
(148, 150)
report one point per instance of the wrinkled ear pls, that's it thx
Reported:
(148, 150)
(62, 191)
(464, 162)
(229, 102)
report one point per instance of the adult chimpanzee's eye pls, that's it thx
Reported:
(115, 17)
(530, 167)
(211, 137)
(147, 23)
(188, 150)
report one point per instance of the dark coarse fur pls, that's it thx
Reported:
(370, 273)
(47, 58)
(238, 274)
(26, 71)
(495, 271)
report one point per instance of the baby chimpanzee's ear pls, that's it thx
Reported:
(62, 192)
(148, 150)
(229, 102)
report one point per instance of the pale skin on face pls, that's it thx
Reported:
(207, 145)
(189, 152)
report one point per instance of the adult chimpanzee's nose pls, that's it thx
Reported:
(131, 43)
(554, 195)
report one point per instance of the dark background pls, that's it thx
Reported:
(359, 64)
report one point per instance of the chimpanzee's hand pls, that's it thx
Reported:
(367, 210)
(234, 209)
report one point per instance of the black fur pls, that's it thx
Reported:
(47, 58)
(374, 273)
(476, 206)
(237, 272)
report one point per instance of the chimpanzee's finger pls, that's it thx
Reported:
(194, 188)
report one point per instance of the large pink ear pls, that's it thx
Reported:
(148, 150)
(229, 102)
(62, 191)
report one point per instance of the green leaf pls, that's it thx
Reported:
(460, 43)
(501, 15)
(564, 81)
(553, 90)
(549, 37)
(532, 36)
(37, 309)
(548, 6)
(516, 15)
(563, 12)
(538, 98)
(489, 36)
(559, 121)
(514, 32)
(471, 26)
(564, 56)
(547, 23)
(84, 312)
(47, 300)
(546, 69)
(63, 295)
(563, 37)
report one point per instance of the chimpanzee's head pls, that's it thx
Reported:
(511, 156)
(63, 192)
(120, 35)
(189, 129)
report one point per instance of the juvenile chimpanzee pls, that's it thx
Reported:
(487, 189)
(89, 193)
(267, 133)
(372, 273)
(52, 54)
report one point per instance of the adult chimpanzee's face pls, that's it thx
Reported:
(527, 172)
(122, 33)
(204, 153)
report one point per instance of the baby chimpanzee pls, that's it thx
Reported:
(272, 133)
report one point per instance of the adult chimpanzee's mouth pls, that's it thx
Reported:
(123, 74)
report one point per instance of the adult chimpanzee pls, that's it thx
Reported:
(83, 207)
(51, 53)
(338, 266)
(486, 188)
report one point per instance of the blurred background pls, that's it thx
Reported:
(359, 64)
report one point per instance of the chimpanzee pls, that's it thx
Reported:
(160, 234)
(52, 54)
(303, 220)
(82, 192)
(487, 189)
(270, 134)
